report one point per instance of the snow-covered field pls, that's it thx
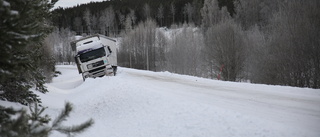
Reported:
(139, 103)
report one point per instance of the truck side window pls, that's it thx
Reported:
(88, 42)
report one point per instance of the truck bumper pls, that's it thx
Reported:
(99, 72)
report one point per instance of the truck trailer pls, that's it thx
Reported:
(95, 56)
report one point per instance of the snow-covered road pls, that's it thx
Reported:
(139, 103)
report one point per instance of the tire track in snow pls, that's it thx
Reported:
(284, 107)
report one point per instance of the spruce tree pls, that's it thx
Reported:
(23, 26)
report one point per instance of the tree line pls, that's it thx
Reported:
(267, 41)
(111, 17)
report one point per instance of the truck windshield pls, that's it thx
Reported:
(93, 54)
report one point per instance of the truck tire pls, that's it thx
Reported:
(114, 70)
(83, 78)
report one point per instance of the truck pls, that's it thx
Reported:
(95, 56)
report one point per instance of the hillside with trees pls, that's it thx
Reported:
(115, 15)
(268, 41)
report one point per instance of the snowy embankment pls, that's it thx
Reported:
(139, 103)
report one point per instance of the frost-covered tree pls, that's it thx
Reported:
(48, 61)
(210, 13)
(106, 20)
(196, 16)
(225, 49)
(224, 42)
(130, 21)
(138, 47)
(149, 46)
(121, 18)
(133, 17)
(59, 43)
(160, 14)
(87, 19)
(184, 51)
(77, 23)
(161, 43)
(293, 46)
(254, 12)
(248, 12)
(128, 24)
(23, 27)
(147, 11)
(173, 12)
(94, 24)
(66, 36)
(188, 10)
(256, 50)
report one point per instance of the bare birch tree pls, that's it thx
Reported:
(161, 44)
(139, 46)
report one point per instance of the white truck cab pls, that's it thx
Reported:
(95, 56)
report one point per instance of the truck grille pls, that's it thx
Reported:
(96, 64)
(98, 72)
(97, 69)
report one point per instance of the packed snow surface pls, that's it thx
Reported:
(138, 103)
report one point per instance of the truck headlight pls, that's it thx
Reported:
(89, 66)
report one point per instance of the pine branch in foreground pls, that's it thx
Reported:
(18, 123)
(69, 130)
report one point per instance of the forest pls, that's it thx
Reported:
(268, 41)
(92, 17)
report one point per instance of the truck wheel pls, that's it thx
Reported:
(83, 78)
(114, 70)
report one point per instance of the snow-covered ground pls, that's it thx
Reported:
(139, 103)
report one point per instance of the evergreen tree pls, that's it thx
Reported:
(23, 26)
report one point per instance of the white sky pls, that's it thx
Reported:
(71, 3)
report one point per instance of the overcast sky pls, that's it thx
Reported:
(71, 3)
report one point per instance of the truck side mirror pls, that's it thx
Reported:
(109, 49)
(78, 63)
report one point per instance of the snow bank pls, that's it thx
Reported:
(139, 103)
